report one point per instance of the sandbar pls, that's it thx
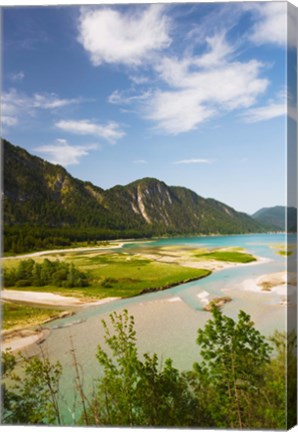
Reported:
(50, 299)
(282, 284)
(215, 265)
(16, 340)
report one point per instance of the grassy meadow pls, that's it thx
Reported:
(17, 315)
(228, 256)
(117, 274)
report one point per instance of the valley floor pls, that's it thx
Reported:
(163, 259)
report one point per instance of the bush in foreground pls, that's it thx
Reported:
(239, 382)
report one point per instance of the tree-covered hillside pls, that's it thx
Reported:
(277, 218)
(44, 206)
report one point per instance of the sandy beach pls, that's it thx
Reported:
(18, 339)
(214, 265)
(61, 251)
(50, 299)
(185, 260)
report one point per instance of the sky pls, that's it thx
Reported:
(192, 94)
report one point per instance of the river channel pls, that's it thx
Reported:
(167, 321)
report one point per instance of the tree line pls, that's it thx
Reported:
(58, 273)
(25, 238)
(238, 382)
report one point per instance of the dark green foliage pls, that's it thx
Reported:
(236, 384)
(291, 374)
(235, 356)
(136, 391)
(278, 218)
(57, 273)
(33, 398)
(44, 207)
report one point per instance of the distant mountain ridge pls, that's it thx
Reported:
(277, 218)
(38, 193)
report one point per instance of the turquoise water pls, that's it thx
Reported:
(167, 321)
(258, 245)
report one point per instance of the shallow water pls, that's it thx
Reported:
(167, 321)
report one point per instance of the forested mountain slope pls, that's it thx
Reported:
(39, 194)
(276, 217)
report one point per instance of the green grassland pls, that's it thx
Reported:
(285, 252)
(109, 275)
(228, 256)
(118, 275)
(17, 315)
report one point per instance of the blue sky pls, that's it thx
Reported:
(192, 94)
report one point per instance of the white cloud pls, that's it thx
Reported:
(51, 101)
(192, 88)
(271, 23)
(126, 97)
(197, 87)
(139, 79)
(129, 38)
(16, 105)
(7, 120)
(203, 87)
(192, 161)
(267, 112)
(13, 105)
(63, 153)
(219, 51)
(109, 131)
(18, 76)
(139, 161)
(177, 111)
(221, 19)
(281, 106)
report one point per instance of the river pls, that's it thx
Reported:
(167, 321)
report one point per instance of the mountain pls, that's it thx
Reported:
(275, 218)
(40, 194)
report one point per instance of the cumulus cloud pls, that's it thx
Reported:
(208, 78)
(196, 88)
(203, 87)
(63, 153)
(177, 111)
(110, 131)
(129, 38)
